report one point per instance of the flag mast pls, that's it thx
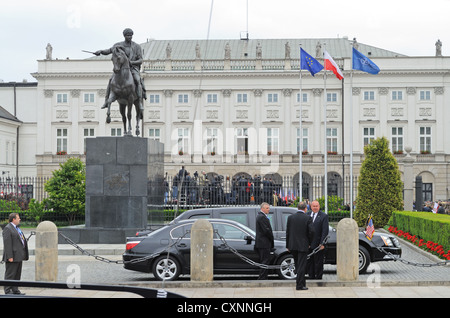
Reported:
(325, 133)
(351, 140)
(300, 154)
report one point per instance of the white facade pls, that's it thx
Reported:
(237, 111)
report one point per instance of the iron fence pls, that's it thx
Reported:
(215, 190)
(185, 192)
(28, 187)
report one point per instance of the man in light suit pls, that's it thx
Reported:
(320, 224)
(15, 251)
(299, 235)
(264, 240)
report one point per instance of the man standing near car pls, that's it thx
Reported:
(299, 235)
(320, 224)
(264, 240)
(15, 251)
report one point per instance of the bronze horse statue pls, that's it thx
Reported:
(123, 90)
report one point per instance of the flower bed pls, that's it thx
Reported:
(429, 246)
(430, 231)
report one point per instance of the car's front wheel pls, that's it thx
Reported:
(166, 268)
(364, 259)
(287, 267)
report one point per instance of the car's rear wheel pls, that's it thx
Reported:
(287, 267)
(364, 259)
(166, 268)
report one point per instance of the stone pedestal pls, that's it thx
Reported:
(123, 176)
(202, 251)
(347, 249)
(46, 250)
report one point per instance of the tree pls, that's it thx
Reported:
(380, 189)
(66, 189)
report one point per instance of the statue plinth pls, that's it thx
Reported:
(123, 176)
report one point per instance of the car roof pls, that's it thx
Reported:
(178, 222)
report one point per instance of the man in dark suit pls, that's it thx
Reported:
(299, 235)
(264, 240)
(15, 251)
(320, 224)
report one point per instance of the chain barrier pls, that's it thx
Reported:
(233, 250)
(265, 266)
(398, 258)
(136, 260)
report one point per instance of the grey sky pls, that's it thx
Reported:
(409, 27)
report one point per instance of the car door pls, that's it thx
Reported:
(224, 258)
(181, 235)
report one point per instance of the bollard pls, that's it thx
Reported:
(202, 251)
(46, 265)
(347, 259)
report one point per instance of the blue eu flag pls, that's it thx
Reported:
(307, 62)
(362, 63)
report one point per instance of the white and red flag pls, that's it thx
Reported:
(331, 65)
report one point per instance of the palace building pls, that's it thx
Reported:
(232, 107)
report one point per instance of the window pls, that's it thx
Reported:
(425, 95)
(242, 98)
(242, 141)
(332, 97)
(183, 140)
(183, 231)
(305, 140)
(368, 135)
(155, 134)
(183, 98)
(332, 141)
(425, 140)
(61, 140)
(397, 95)
(13, 153)
(7, 152)
(427, 192)
(304, 99)
(116, 132)
(211, 98)
(238, 217)
(89, 98)
(369, 95)
(211, 140)
(229, 232)
(87, 132)
(397, 139)
(61, 98)
(272, 98)
(154, 99)
(272, 140)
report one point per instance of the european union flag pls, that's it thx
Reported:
(307, 62)
(362, 63)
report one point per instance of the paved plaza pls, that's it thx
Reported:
(383, 280)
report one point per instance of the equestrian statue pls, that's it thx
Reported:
(125, 86)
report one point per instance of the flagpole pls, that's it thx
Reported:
(351, 143)
(325, 135)
(300, 155)
(351, 138)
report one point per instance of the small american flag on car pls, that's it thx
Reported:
(370, 229)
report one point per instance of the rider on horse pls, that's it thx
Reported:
(134, 54)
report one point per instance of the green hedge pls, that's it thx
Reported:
(426, 225)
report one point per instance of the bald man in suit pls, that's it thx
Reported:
(15, 251)
(321, 228)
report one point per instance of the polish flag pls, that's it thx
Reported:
(331, 65)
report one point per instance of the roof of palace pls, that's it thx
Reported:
(240, 49)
